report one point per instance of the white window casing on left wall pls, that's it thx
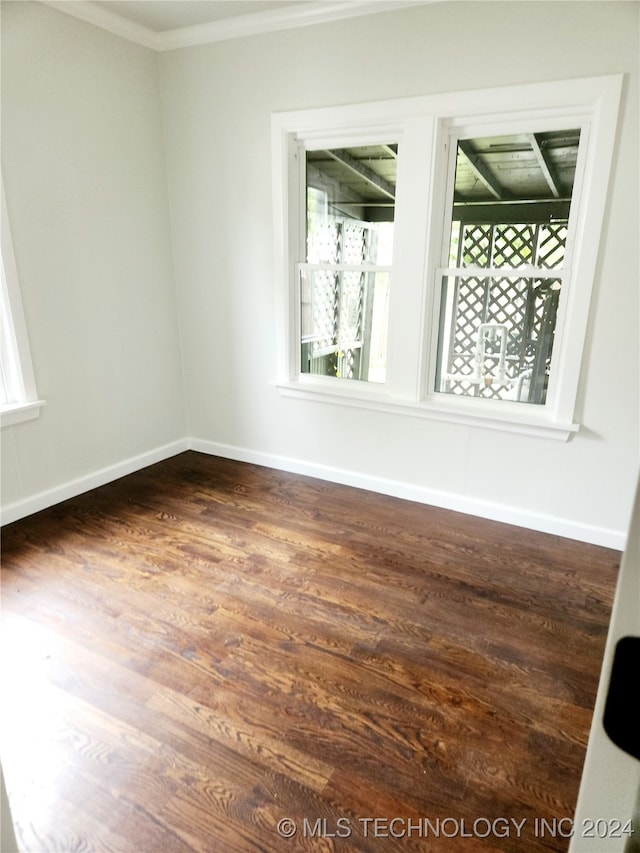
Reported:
(422, 135)
(19, 399)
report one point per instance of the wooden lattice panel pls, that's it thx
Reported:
(475, 246)
(323, 242)
(521, 304)
(337, 297)
(325, 315)
(513, 245)
(551, 245)
(354, 245)
(351, 300)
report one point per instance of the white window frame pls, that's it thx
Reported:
(425, 129)
(15, 354)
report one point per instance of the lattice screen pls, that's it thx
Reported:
(525, 306)
(338, 297)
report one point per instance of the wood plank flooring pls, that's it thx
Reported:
(205, 649)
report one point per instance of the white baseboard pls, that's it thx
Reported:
(592, 534)
(43, 500)
(421, 494)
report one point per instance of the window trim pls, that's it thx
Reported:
(15, 343)
(426, 123)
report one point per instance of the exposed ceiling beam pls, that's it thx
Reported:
(544, 163)
(341, 155)
(531, 211)
(480, 169)
(340, 197)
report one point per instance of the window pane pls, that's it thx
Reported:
(497, 336)
(344, 315)
(524, 177)
(514, 245)
(351, 204)
(350, 219)
(510, 211)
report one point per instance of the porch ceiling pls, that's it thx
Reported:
(495, 172)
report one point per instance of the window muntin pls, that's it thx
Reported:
(509, 228)
(344, 282)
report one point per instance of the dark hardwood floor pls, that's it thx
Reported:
(204, 649)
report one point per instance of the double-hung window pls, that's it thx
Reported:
(437, 254)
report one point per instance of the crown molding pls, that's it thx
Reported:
(303, 14)
(91, 13)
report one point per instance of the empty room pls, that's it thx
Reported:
(320, 426)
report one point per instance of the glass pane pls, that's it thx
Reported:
(344, 318)
(514, 245)
(496, 336)
(350, 220)
(351, 204)
(512, 197)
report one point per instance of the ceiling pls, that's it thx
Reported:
(162, 15)
(169, 24)
(359, 181)
(499, 178)
(501, 172)
(518, 167)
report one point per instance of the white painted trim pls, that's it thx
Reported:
(93, 14)
(73, 488)
(17, 413)
(16, 352)
(501, 415)
(541, 522)
(303, 14)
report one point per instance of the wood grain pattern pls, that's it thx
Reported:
(203, 648)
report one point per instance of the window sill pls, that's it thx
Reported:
(15, 413)
(506, 418)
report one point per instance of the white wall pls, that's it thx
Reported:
(84, 172)
(83, 155)
(217, 102)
